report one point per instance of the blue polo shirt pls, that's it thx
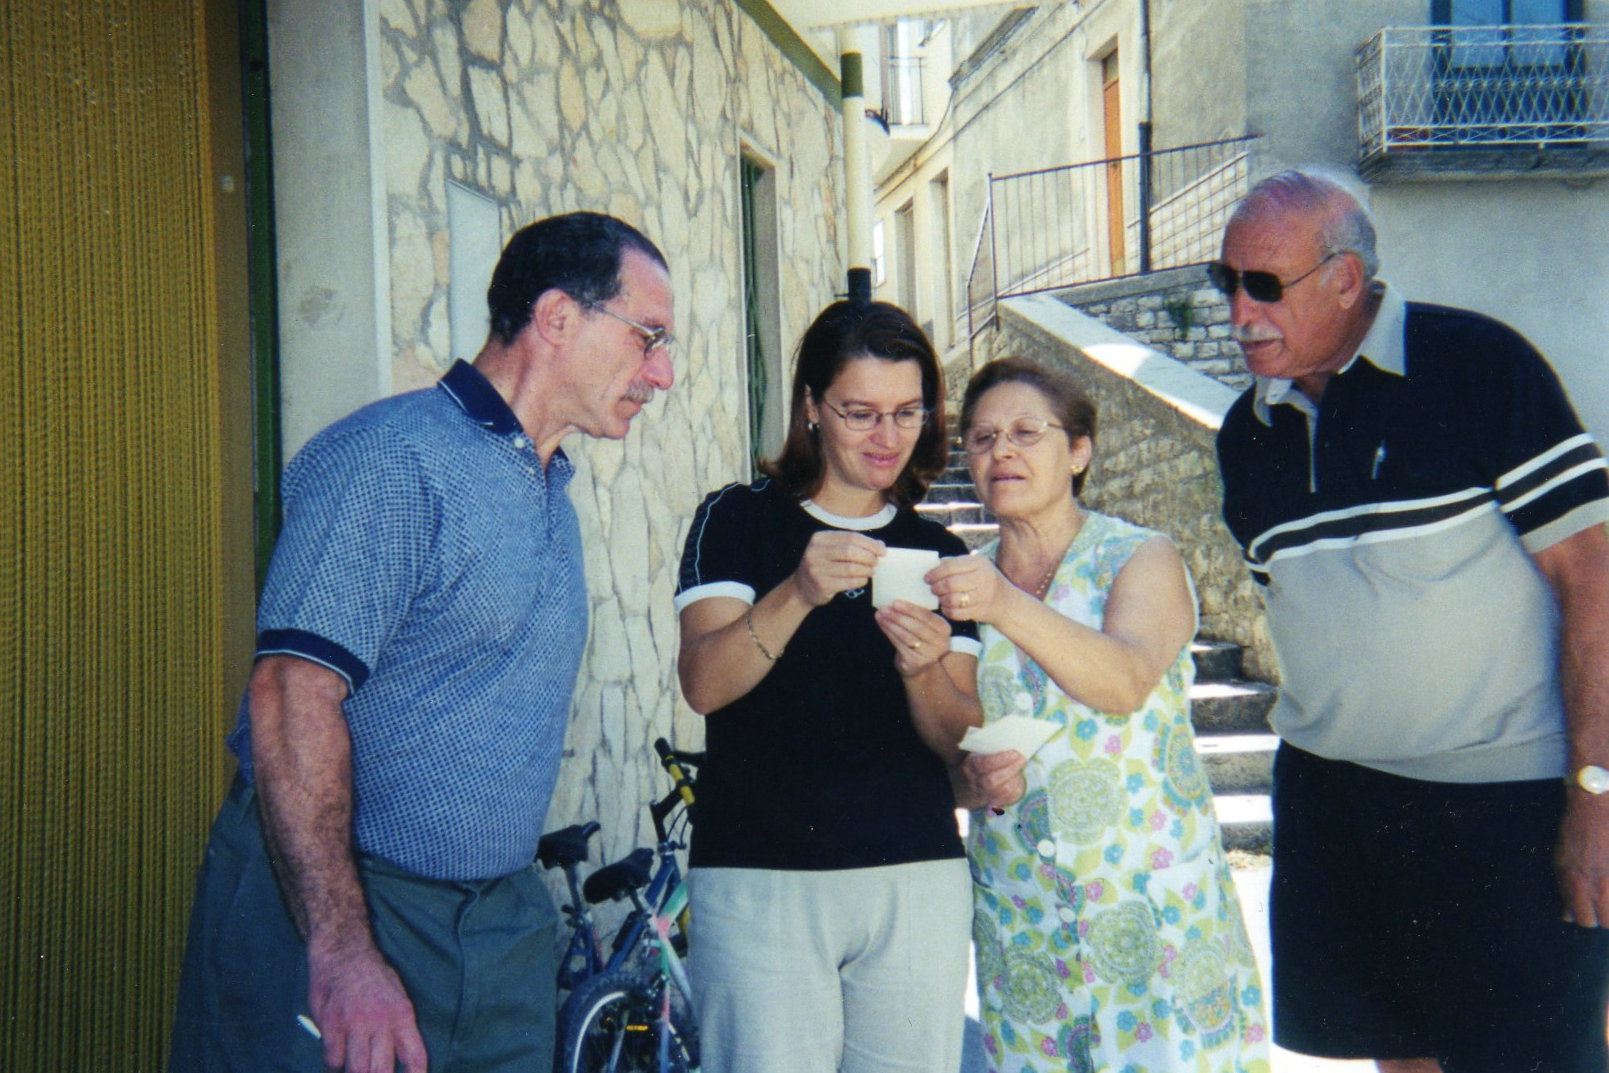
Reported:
(429, 560)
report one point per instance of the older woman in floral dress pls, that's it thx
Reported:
(1108, 932)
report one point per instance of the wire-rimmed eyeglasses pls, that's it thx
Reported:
(1022, 432)
(652, 338)
(864, 418)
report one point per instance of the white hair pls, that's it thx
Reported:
(1347, 226)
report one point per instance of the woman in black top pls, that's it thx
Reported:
(831, 895)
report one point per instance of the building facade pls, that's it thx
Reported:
(1478, 132)
(233, 223)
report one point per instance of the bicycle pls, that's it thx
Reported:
(630, 1011)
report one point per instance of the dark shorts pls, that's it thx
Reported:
(1417, 919)
(477, 959)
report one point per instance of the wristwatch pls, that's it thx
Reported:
(1593, 779)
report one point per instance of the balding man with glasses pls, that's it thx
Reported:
(367, 901)
(1426, 514)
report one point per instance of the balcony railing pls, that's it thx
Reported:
(1080, 223)
(1449, 101)
(902, 91)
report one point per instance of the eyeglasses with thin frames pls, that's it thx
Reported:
(864, 418)
(1262, 287)
(652, 338)
(1022, 432)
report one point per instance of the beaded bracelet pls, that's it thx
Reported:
(748, 620)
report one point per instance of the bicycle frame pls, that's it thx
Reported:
(670, 965)
(666, 887)
(615, 995)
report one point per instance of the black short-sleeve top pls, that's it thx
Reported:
(818, 766)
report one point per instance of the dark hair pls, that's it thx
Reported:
(841, 333)
(578, 253)
(1074, 409)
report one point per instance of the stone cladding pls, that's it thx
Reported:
(1175, 312)
(639, 108)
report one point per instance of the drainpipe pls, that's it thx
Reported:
(1145, 137)
(857, 169)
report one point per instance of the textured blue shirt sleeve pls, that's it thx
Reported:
(358, 521)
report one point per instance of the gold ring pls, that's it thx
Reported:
(966, 600)
(916, 646)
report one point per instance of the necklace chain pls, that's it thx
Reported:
(1050, 575)
(1055, 564)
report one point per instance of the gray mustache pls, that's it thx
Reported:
(1244, 334)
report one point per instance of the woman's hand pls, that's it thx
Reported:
(835, 561)
(995, 779)
(971, 587)
(921, 638)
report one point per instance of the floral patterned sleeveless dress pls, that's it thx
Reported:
(1108, 932)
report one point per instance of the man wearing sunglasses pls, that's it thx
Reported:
(1411, 486)
(367, 901)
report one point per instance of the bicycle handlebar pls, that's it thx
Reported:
(675, 764)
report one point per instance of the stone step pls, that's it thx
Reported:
(949, 490)
(975, 534)
(954, 513)
(1247, 821)
(1216, 661)
(1237, 707)
(1238, 763)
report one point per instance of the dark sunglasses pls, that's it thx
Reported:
(1260, 286)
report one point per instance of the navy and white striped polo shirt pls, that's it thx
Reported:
(1392, 523)
(429, 560)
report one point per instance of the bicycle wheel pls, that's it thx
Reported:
(610, 1024)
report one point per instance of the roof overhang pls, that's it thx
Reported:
(816, 21)
(830, 14)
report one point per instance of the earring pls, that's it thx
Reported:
(812, 427)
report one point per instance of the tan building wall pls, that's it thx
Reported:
(638, 109)
(1529, 249)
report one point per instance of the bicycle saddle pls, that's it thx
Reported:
(565, 847)
(618, 879)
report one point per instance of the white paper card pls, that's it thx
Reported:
(898, 576)
(1019, 732)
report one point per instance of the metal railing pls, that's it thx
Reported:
(1104, 219)
(1435, 88)
(902, 91)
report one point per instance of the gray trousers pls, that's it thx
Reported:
(477, 959)
(861, 970)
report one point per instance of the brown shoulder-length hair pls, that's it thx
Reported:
(841, 333)
(1074, 409)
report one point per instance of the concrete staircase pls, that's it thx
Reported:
(1230, 713)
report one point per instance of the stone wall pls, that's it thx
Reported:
(1154, 462)
(1175, 312)
(639, 109)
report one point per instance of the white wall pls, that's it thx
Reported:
(1533, 253)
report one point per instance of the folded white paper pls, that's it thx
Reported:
(1019, 732)
(898, 576)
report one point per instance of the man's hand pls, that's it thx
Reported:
(1577, 570)
(303, 754)
(360, 1006)
(1582, 859)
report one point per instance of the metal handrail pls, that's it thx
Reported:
(1057, 227)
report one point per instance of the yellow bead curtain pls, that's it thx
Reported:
(125, 569)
